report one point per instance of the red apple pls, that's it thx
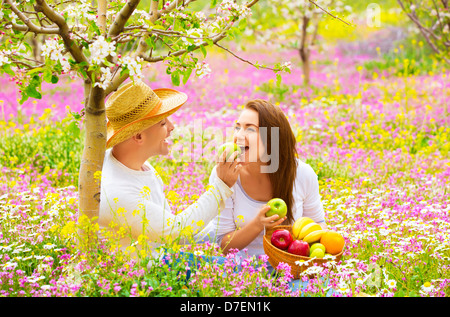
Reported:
(281, 238)
(299, 247)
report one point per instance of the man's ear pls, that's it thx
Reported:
(138, 137)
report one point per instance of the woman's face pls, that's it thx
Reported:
(247, 136)
(156, 137)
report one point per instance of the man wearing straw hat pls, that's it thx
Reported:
(132, 193)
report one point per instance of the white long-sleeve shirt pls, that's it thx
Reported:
(240, 209)
(136, 200)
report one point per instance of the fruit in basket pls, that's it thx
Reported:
(299, 247)
(299, 224)
(281, 238)
(317, 253)
(333, 241)
(277, 206)
(314, 236)
(317, 246)
(311, 227)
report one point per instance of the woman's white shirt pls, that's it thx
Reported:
(240, 209)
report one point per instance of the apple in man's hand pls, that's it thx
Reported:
(277, 206)
(299, 247)
(281, 239)
(231, 147)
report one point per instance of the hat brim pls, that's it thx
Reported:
(171, 101)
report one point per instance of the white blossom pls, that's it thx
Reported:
(202, 69)
(105, 79)
(100, 49)
(133, 65)
(3, 58)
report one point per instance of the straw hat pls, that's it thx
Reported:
(135, 107)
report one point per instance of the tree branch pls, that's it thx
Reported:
(122, 18)
(101, 15)
(244, 60)
(29, 26)
(328, 12)
(72, 47)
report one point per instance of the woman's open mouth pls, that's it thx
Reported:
(244, 149)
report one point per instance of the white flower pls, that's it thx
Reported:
(197, 34)
(426, 288)
(52, 49)
(391, 284)
(3, 59)
(287, 65)
(202, 69)
(133, 65)
(446, 29)
(105, 79)
(100, 49)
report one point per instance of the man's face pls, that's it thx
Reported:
(155, 138)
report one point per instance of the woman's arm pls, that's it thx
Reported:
(312, 203)
(242, 237)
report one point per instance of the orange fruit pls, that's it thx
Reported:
(333, 242)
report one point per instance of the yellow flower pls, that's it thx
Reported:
(200, 223)
(97, 175)
(68, 229)
(142, 238)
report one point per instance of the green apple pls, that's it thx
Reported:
(317, 246)
(277, 206)
(317, 253)
(231, 147)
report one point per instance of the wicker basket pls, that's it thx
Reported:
(277, 255)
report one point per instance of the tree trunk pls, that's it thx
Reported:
(91, 162)
(304, 56)
(304, 51)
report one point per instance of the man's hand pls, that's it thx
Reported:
(228, 170)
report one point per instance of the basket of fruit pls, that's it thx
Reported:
(302, 245)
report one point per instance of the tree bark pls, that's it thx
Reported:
(304, 56)
(304, 52)
(91, 162)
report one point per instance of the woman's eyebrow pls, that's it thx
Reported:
(247, 124)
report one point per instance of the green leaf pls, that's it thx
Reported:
(32, 92)
(203, 49)
(278, 80)
(35, 70)
(175, 76)
(150, 42)
(47, 75)
(109, 64)
(187, 73)
(7, 69)
(242, 24)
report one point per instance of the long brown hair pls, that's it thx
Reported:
(282, 180)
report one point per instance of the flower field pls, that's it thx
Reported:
(375, 128)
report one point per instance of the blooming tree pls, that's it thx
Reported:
(432, 18)
(104, 43)
(295, 24)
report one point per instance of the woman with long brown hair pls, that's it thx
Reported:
(270, 168)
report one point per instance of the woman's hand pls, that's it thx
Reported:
(228, 170)
(267, 222)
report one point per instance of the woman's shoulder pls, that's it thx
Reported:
(304, 170)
